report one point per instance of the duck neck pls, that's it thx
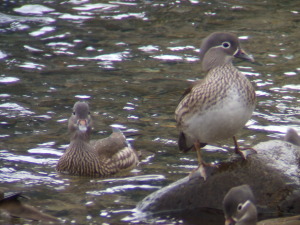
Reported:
(224, 71)
(215, 58)
(80, 137)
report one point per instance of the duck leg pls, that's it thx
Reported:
(201, 163)
(244, 152)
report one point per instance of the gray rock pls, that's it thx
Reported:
(273, 174)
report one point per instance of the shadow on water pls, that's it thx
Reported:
(131, 60)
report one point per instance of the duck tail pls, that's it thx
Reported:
(185, 144)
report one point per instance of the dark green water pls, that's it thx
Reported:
(131, 60)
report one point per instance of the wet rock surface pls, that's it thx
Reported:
(272, 173)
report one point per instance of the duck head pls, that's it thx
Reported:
(220, 48)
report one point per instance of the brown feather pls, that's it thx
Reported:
(199, 114)
(99, 158)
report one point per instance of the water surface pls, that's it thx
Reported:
(131, 60)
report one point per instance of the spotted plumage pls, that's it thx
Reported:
(97, 158)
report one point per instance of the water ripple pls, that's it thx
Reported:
(291, 87)
(149, 177)
(112, 57)
(9, 110)
(9, 79)
(68, 16)
(2, 55)
(168, 57)
(122, 188)
(42, 31)
(29, 159)
(98, 6)
(126, 16)
(33, 9)
(45, 151)
(149, 48)
(181, 48)
(4, 18)
(27, 178)
(32, 65)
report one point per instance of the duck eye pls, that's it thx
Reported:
(74, 113)
(240, 206)
(226, 44)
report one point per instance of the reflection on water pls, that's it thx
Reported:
(131, 60)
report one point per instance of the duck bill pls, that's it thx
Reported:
(241, 54)
(229, 221)
(82, 125)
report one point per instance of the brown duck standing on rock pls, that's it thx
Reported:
(99, 158)
(216, 107)
(240, 209)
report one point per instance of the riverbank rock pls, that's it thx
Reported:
(273, 174)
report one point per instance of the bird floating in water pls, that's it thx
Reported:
(98, 158)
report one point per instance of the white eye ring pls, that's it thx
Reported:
(240, 206)
(226, 44)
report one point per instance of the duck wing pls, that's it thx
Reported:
(116, 150)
